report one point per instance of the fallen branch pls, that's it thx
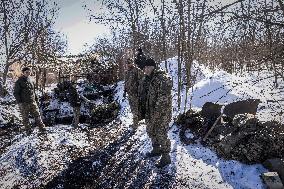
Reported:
(211, 129)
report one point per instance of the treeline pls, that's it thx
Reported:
(239, 35)
(27, 34)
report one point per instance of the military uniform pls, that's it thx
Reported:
(24, 92)
(74, 100)
(132, 79)
(156, 89)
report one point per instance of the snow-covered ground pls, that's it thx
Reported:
(221, 87)
(33, 161)
(196, 166)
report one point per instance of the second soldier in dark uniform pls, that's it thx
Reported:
(132, 78)
(24, 92)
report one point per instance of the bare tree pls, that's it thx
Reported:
(123, 15)
(27, 28)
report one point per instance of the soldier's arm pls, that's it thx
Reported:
(73, 94)
(17, 92)
(163, 106)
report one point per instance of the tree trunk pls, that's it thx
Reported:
(164, 35)
(5, 19)
(5, 74)
(179, 73)
(188, 55)
(180, 51)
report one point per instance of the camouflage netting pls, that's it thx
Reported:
(244, 139)
(102, 108)
(104, 113)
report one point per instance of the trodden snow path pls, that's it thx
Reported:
(194, 166)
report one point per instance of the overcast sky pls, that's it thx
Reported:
(74, 23)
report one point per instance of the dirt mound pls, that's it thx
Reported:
(244, 139)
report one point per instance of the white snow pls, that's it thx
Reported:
(222, 87)
(195, 165)
(32, 160)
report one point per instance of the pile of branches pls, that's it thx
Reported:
(244, 139)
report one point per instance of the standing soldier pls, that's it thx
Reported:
(156, 89)
(75, 102)
(132, 79)
(24, 92)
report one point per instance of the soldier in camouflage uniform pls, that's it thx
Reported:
(132, 78)
(24, 92)
(156, 89)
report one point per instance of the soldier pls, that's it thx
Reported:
(132, 78)
(75, 102)
(140, 59)
(155, 91)
(24, 92)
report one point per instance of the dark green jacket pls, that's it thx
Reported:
(24, 90)
(73, 96)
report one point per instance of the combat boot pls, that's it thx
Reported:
(165, 160)
(153, 153)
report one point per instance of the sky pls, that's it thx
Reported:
(74, 23)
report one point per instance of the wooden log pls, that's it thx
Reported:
(211, 129)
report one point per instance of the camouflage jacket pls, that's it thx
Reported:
(158, 104)
(24, 90)
(132, 78)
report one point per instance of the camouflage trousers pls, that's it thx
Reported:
(30, 108)
(133, 102)
(76, 116)
(158, 133)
